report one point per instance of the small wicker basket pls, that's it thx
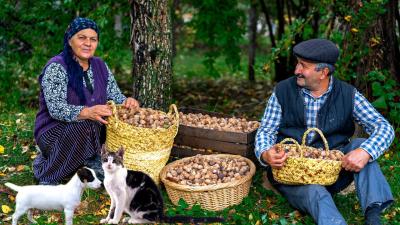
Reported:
(300, 170)
(146, 149)
(211, 197)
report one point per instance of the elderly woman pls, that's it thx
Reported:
(74, 89)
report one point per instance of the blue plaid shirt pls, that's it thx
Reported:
(380, 131)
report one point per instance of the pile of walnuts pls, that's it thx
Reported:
(202, 171)
(145, 117)
(310, 152)
(205, 121)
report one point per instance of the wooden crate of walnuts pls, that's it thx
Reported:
(213, 132)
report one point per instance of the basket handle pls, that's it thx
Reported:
(320, 134)
(295, 142)
(174, 109)
(111, 103)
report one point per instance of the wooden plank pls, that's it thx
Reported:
(227, 136)
(183, 151)
(221, 146)
(186, 152)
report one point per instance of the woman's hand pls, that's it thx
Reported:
(130, 103)
(274, 158)
(95, 113)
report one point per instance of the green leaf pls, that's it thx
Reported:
(283, 221)
(182, 204)
(380, 103)
(377, 89)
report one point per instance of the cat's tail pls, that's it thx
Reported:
(13, 186)
(191, 219)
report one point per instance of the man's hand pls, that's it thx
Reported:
(95, 113)
(130, 103)
(355, 160)
(273, 158)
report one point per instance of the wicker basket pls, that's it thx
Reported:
(300, 170)
(211, 197)
(146, 149)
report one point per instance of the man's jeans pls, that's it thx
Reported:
(371, 187)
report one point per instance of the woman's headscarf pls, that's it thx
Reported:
(74, 70)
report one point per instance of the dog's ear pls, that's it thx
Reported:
(85, 174)
(121, 152)
(103, 149)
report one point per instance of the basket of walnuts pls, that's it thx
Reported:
(214, 181)
(308, 165)
(147, 135)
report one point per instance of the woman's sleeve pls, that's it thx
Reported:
(54, 84)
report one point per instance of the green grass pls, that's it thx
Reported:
(260, 207)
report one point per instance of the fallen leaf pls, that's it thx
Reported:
(354, 30)
(250, 216)
(12, 198)
(2, 174)
(273, 216)
(20, 168)
(11, 169)
(25, 149)
(8, 218)
(347, 18)
(1, 149)
(33, 156)
(5, 209)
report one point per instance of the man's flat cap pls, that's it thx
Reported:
(317, 50)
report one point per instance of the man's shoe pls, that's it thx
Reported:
(373, 215)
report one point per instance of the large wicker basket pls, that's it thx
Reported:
(301, 170)
(146, 149)
(211, 197)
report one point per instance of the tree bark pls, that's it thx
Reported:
(268, 20)
(152, 54)
(252, 39)
(281, 70)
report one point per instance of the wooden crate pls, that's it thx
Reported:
(211, 140)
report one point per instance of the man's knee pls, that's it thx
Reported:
(315, 192)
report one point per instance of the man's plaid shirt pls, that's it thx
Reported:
(380, 131)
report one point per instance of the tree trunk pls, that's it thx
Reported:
(268, 20)
(151, 46)
(252, 39)
(281, 70)
(176, 24)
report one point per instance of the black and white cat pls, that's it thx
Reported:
(135, 193)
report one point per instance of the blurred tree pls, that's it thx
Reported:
(152, 52)
(219, 27)
(252, 39)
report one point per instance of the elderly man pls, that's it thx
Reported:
(314, 98)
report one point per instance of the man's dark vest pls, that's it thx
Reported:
(334, 118)
(44, 121)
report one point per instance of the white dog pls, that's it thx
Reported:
(57, 197)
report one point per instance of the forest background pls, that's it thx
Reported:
(220, 56)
